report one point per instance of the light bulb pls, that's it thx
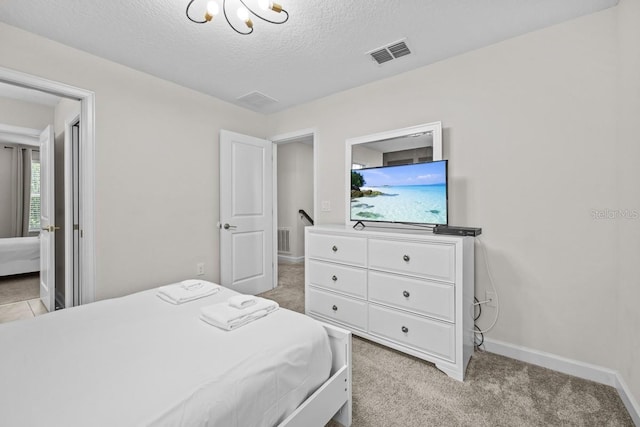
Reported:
(264, 4)
(243, 14)
(212, 8)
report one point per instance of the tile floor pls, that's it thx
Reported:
(21, 310)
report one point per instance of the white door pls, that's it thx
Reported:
(246, 213)
(47, 211)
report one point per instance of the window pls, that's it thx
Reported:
(34, 202)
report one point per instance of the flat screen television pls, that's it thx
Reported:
(411, 194)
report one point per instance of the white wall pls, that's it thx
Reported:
(295, 191)
(66, 110)
(366, 156)
(157, 194)
(24, 114)
(627, 151)
(529, 124)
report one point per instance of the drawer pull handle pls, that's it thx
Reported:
(405, 329)
(334, 278)
(406, 258)
(406, 294)
(334, 248)
(335, 308)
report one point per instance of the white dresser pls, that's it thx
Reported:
(409, 290)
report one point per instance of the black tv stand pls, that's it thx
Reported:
(359, 225)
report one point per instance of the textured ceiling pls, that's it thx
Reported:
(320, 51)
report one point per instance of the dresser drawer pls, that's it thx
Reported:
(434, 260)
(343, 249)
(430, 336)
(418, 295)
(339, 278)
(345, 310)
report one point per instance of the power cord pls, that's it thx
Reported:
(477, 330)
(477, 306)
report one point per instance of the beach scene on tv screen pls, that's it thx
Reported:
(414, 193)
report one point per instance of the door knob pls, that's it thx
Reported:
(226, 226)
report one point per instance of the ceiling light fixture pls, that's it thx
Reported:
(244, 13)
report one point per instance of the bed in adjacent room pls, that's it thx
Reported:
(19, 255)
(141, 361)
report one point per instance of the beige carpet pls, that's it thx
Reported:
(20, 287)
(393, 389)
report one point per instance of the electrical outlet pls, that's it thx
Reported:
(491, 297)
(200, 269)
(326, 206)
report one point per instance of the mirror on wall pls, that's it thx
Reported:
(415, 144)
(404, 150)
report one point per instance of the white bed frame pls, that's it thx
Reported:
(333, 399)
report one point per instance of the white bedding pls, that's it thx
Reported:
(19, 255)
(139, 361)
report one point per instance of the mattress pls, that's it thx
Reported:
(140, 361)
(19, 255)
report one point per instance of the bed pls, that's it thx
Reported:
(19, 255)
(140, 361)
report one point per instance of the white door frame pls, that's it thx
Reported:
(281, 139)
(69, 254)
(20, 135)
(47, 219)
(87, 162)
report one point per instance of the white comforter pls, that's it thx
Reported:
(19, 255)
(139, 361)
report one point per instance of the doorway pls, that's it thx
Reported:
(295, 196)
(85, 182)
(295, 157)
(34, 195)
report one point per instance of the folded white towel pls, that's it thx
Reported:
(187, 290)
(227, 317)
(242, 301)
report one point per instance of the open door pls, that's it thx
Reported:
(47, 210)
(246, 213)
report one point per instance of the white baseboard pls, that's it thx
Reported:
(629, 402)
(554, 362)
(290, 259)
(576, 368)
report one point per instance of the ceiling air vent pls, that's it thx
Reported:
(381, 56)
(389, 52)
(256, 100)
